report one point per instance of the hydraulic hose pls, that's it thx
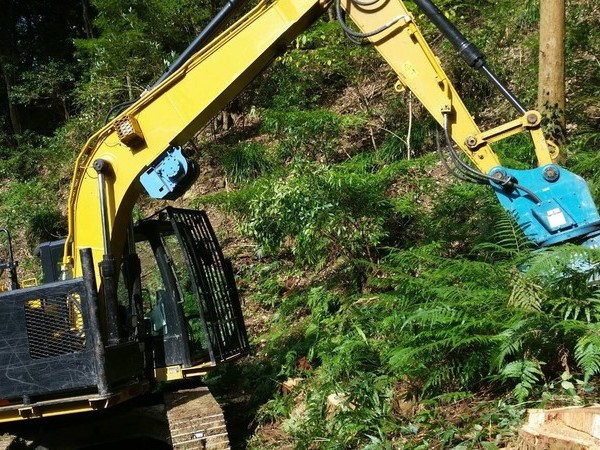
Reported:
(467, 50)
(477, 176)
(453, 169)
(356, 36)
(202, 39)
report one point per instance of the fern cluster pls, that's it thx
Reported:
(433, 328)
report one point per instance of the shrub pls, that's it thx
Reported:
(304, 134)
(246, 162)
(31, 205)
(326, 212)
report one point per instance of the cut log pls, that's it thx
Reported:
(573, 428)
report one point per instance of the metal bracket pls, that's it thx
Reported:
(170, 175)
(546, 151)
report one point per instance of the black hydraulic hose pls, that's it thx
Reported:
(467, 50)
(467, 170)
(473, 175)
(202, 39)
(116, 109)
(452, 169)
(356, 36)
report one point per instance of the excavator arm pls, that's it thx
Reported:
(146, 139)
(142, 146)
(550, 204)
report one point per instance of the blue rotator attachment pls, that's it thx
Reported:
(550, 204)
(170, 175)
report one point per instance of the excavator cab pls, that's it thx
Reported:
(177, 313)
(191, 309)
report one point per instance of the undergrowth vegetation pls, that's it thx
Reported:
(427, 336)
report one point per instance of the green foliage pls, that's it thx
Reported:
(561, 278)
(468, 214)
(392, 149)
(443, 328)
(266, 283)
(582, 39)
(326, 212)
(48, 86)
(40, 220)
(320, 63)
(396, 144)
(508, 241)
(584, 159)
(246, 162)
(356, 345)
(23, 161)
(305, 134)
(587, 351)
(561, 312)
(527, 372)
(516, 151)
(445, 343)
(136, 42)
(38, 65)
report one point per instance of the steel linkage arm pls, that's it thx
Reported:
(550, 204)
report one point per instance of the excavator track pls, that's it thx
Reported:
(188, 418)
(196, 420)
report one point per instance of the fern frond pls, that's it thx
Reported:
(441, 376)
(511, 342)
(528, 373)
(401, 358)
(508, 240)
(569, 263)
(572, 308)
(587, 351)
(525, 294)
(433, 316)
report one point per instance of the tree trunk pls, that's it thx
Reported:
(12, 108)
(87, 23)
(551, 82)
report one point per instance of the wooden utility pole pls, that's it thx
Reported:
(551, 81)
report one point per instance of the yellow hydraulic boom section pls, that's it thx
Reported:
(403, 47)
(171, 113)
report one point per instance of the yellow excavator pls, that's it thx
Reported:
(128, 307)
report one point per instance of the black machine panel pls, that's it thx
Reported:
(46, 344)
(211, 314)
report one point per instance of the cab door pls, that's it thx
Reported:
(195, 316)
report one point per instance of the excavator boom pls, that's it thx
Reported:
(155, 127)
(142, 147)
